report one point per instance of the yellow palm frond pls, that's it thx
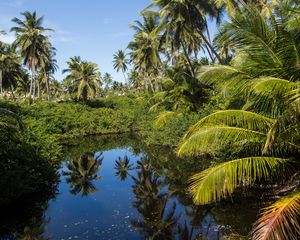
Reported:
(163, 118)
(280, 220)
(220, 181)
(209, 139)
(240, 118)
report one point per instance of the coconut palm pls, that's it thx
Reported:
(83, 78)
(23, 85)
(146, 48)
(48, 67)
(120, 62)
(82, 173)
(107, 79)
(264, 133)
(123, 167)
(184, 23)
(32, 43)
(11, 70)
(56, 89)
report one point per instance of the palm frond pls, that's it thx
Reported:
(164, 117)
(210, 139)
(220, 181)
(280, 220)
(239, 118)
(274, 86)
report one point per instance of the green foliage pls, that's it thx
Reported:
(220, 181)
(27, 163)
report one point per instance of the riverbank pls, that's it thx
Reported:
(48, 126)
(61, 121)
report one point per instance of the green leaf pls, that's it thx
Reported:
(220, 181)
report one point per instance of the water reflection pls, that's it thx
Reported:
(123, 166)
(143, 196)
(25, 220)
(83, 172)
(35, 231)
(151, 203)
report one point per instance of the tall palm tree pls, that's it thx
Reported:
(48, 66)
(32, 43)
(120, 62)
(83, 78)
(184, 23)
(146, 48)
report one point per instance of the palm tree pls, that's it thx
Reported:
(83, 78)
(56, 88)
(264, 133)
(120, 62)
(107, 79)
(11, 70)
(184, 23)
(48, 67)
(145, 50)
(82, 173)
(2, 46)
(32, 43)
(23, 84)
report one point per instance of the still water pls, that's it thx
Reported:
(116, 187)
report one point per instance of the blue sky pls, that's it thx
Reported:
(92, 29)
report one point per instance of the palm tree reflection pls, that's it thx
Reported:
(82, 173)
(151, 203)
(123, 167)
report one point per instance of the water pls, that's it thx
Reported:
(143, 199)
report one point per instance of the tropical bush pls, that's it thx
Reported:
(26, 165)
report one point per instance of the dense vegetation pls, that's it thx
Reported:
(237, 92)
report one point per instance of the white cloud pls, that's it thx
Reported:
(7, 38)
(59, 35)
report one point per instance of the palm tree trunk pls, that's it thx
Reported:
(31, 83)
(1, 84)
(211, 54)
(125, 80)
(149, 83)
(188, 58)
(38, 87)
(48, 86)
(34, 86)
(12, 92)
(211, 47)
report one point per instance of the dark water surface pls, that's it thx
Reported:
(142, 197)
